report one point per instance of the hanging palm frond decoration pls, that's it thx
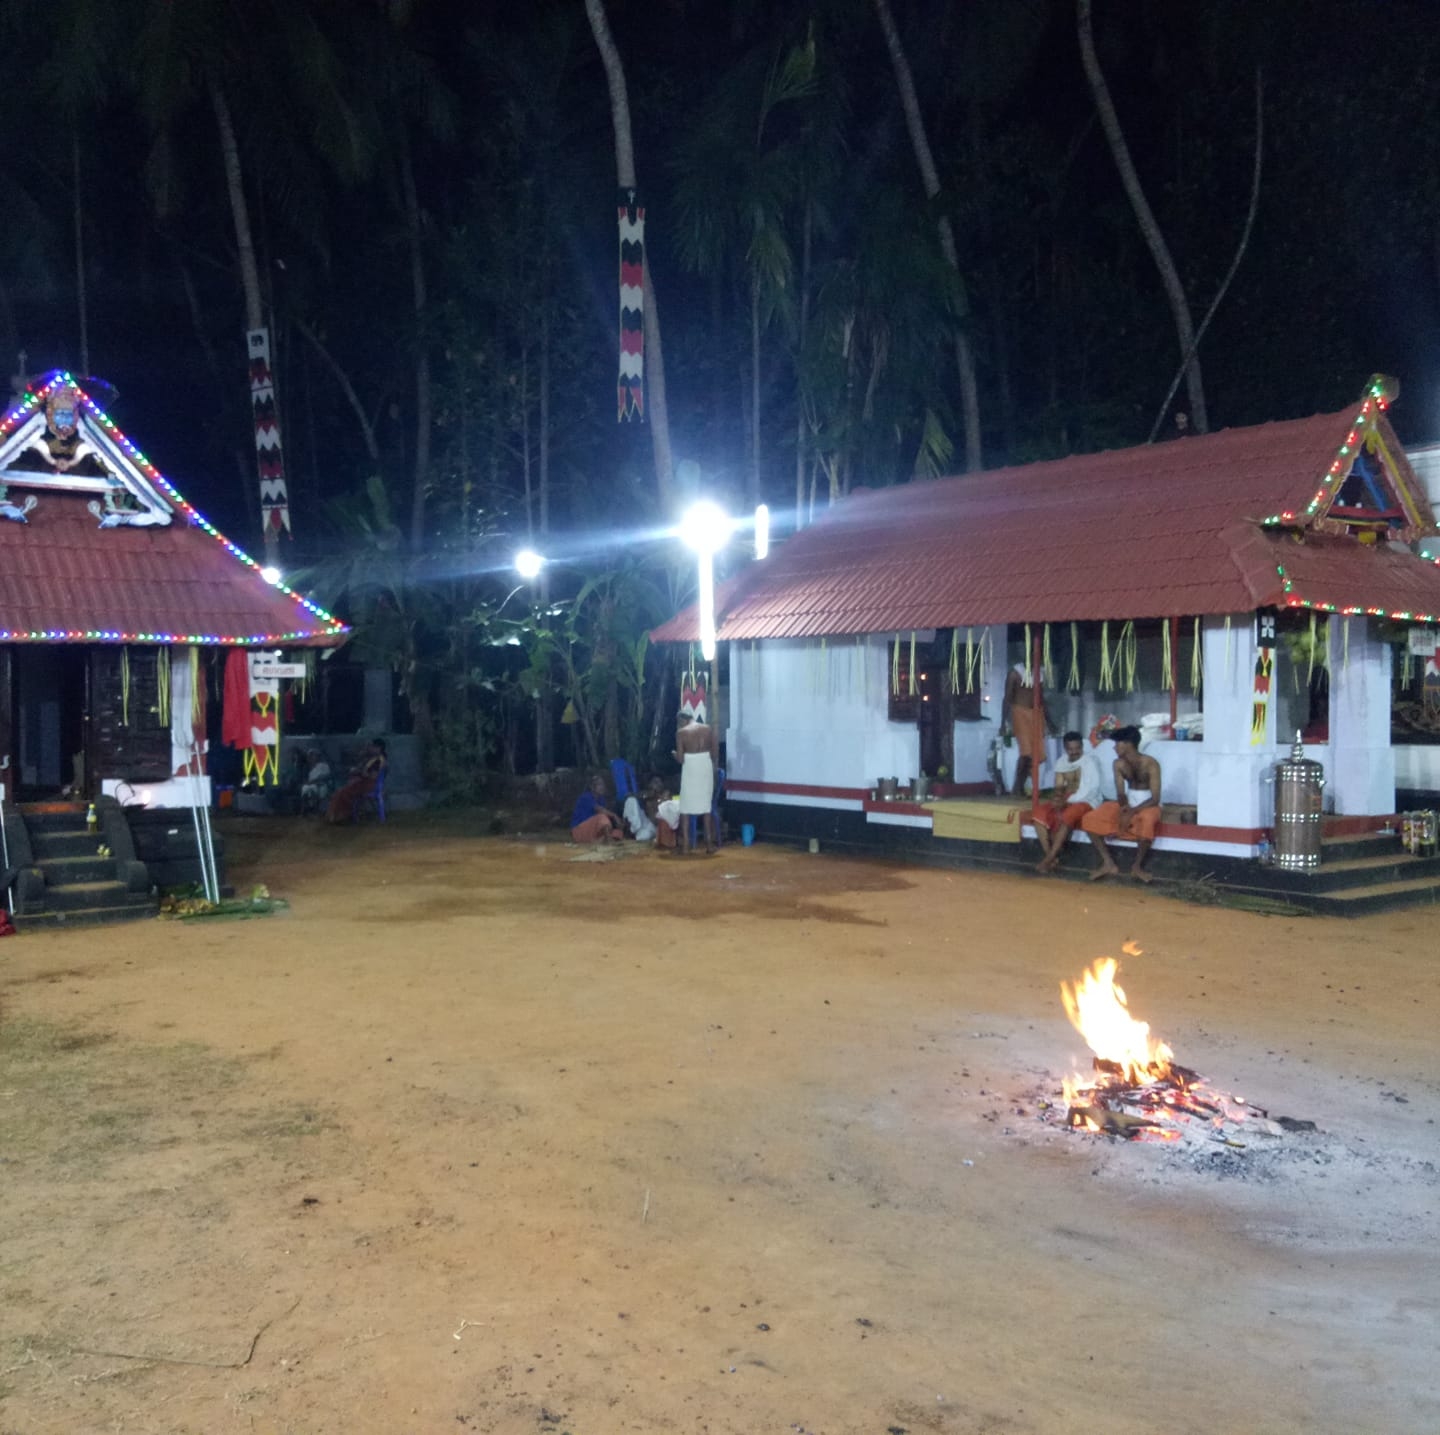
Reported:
(1106, 676)
(895, 669)
(954, 660)
(1072, 683)
(1167, 658)
(972, 660)
(1197, 662)
(125, 687)
(197, 692)
(1127, 655)
(911, 675)
(1047, 666)
(162, 685)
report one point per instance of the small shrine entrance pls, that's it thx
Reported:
(48, 716)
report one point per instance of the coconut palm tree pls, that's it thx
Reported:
(271, 56)
(658, 410)
(1145, 218)
(930, 178)
(734, 203)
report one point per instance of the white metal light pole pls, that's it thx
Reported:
(706, 528)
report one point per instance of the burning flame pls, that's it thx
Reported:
(1097, 1010)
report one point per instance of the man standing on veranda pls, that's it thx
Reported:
(1026, 721)
(1078, 792)
(697, 750)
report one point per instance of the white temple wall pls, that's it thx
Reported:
(816, 715)
(973, 740)
(1362, 767)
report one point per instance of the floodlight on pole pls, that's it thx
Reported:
(762, 531)
(528, 564)
(706, 528)
(707, 606)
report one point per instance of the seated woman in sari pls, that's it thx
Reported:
(361, 782)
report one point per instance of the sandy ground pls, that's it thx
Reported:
(477, 1137)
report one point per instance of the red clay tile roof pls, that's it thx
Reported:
(1147, 532)
(63, 578)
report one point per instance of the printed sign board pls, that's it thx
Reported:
(270, 669)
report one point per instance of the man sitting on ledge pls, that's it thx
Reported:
(1136, 812)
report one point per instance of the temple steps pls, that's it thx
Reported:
(82, 884)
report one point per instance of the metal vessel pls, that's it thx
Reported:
(1299, 783)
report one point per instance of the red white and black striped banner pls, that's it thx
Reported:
(269, 456)
(631, 389)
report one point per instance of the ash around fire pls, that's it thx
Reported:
(1213, 1135)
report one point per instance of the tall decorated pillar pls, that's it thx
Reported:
(1362, 762)
(1239, 747)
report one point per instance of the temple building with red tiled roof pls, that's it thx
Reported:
(116, 594)
(1221, 591)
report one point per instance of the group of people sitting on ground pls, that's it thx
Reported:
(658, 817)
(1079, 803)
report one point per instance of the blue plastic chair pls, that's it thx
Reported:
(372, 801)
(623, 776)
(714, 810)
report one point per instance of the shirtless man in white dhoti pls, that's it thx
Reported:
(697, 750)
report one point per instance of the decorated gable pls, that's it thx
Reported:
(1369, 491)
(57, 440)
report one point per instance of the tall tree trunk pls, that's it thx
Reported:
(544, 709)
(423, 400)
(80, 293)
(245, 251)
(658, 414)
(347, 387)
(800, 425)
(526, 465)
(930, 178)
(1145, 217)
(222, 382)
(752, 471)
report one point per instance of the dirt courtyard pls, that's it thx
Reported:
(477, 1137)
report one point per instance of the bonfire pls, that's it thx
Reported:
(1137, 1089)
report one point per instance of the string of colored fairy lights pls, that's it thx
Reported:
(1376, 400)
(1293, 599)
(331, 626)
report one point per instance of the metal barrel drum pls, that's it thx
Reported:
(1299, 783)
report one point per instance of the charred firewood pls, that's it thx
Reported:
(1112, 1123)
(1291, 1123)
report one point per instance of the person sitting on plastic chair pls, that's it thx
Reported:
(315, 788)
(374, 800)
(365, 778)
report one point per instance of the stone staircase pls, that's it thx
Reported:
(79, 884)
(1358, 873)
